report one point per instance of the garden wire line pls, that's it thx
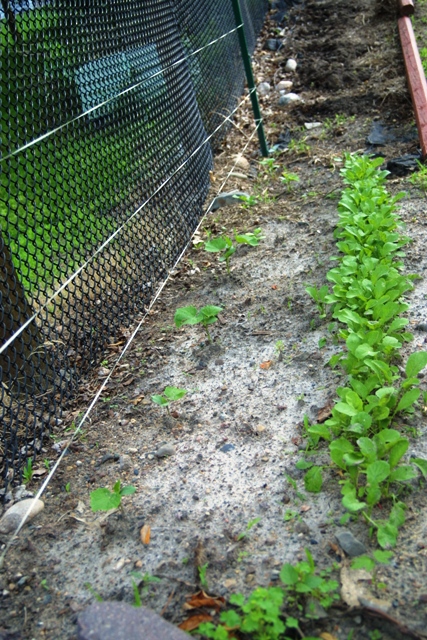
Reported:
(126, 347)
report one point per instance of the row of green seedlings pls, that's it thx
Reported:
(367, 300)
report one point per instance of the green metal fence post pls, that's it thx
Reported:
(249, 76)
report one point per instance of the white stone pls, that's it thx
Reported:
(14, 515)
(312, 125)
(288, 98)
(284, 85)
(264, 88)
(291, 65)
(241, 162)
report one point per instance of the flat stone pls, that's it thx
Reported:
(241, 162)
(13, 516)
(165, 450)
(284, 85)
(121, 621)
(348, 543)
(288, 98)
(225, 199)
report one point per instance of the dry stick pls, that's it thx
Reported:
(125, 348)
(168, 601)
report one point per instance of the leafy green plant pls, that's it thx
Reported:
(249, 526)
(366, 301)
(371, 563)
(170, 394)
(287, 178)
(68, 487)
(103, 499)
(300, 147)
(27, 473)
(205, 316)
(224, 244)
(270, 167)
(419, 178)
(261, 616)
(141, 586)
(248, 201)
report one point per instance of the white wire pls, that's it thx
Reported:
(113, 235)
(106, 380)
(118, 95)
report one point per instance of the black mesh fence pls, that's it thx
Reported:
(109, 114)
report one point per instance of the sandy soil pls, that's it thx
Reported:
(237, 434)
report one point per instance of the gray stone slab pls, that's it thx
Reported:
(121, 621)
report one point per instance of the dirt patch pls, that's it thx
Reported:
(237, 434)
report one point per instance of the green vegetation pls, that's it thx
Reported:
(224, 244)
(170, 394)
(367, 301)
(27, 472)
(205, 316)
(263, 615)
(103, 499)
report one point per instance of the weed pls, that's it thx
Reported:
(141, 588)
(290, 515)
(95, 594)
(288, 178)
(205, 316)
(270, 167)
(202, 575)
(248, 201)
(27, 473)
(46, 464)
(68, 487)
(170, 394)
(225, 246)
(249, 526)
(301, 147)
(103, 499)
(419, 178)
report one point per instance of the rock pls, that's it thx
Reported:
(312, 125)
(165, 450)
(227, 447)
(272, 44)
(241, 162)
(291, 65)
(284, 85)
(13, 516)
(264, 88)
(21, 492)
(288, 98)
(224, 199)
(348, 543)
(302, 527)
(121, 621)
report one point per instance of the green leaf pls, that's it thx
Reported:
(186, 315)
(377, 472)
(292, 623)
(320, 430)
(160, 400)
(363, 351)
(313, 480)
(117, 486)
(416, 362)
(363, 562)
(303, 464)
(383, 557)
(387, 535)
(210, 311)
(421, 464)
(337, 450)
(351, 503)
(103, 500)
(368, 448)
(403, 473)
(346, 409)
(218, 244)
(174, 393)
(288, 575)
(127, 491)
(398, 451)
(408, 399)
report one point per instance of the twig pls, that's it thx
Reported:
(168, 601)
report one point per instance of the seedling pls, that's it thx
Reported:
(68, 487)
(270, 167)
(170, 394)
(46, 464)
(288, 178)
(202, 575)
(103, 499)
(370, 564)
(142, 587)
(419, 178)
(205, 316)
(27, 473)
(249, 526)
(248, 201)
(224, 244)
(95, 594)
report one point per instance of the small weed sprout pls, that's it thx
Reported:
(249, 526)
(248, 201)
(270, 167)
(170, 394)
(205, 316)
(224, 244)
(103, 499)
(288, 178)
(142, 586)
(27, 473)
(202, 575)
(419, 178)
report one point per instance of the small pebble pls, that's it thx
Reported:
(165, 450)
(291, 65)
(284, 85)
(264, 88)
(227, 447)
(288, 99)
(348, 543)
(13, 516)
